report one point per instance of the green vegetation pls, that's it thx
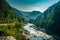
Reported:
(7, 14)
(39, 23)
(14, 29)
(14, 21)
(51, 20)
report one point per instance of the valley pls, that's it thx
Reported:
(34, 25)
(33, 34)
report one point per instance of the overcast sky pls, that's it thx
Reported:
(31, 5)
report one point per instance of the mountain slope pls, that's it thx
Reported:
(33, 14)
(29, 16)
(21, 15)
(7, 14)
(39, 21)
(52, 18)
(17, 11)
(11, 22)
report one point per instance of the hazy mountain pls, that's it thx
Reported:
(30, 16)
(33, 14)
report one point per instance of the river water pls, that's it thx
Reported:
(33, 34)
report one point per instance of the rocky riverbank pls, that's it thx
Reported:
(32, 33)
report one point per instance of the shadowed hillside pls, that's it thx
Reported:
(7, 14)
(11, 22)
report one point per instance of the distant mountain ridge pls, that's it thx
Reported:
(30, 16)
(33, 14)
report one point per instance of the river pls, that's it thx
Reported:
(34, 34)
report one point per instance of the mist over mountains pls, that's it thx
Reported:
(49, 20)
(30, 16)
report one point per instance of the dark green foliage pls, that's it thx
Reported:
(7, 14)
(52, 19)
(21, 16)
(13, 29)
(39, 21)
(14, 21)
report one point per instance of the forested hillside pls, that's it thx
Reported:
(7, 14)
(11, 22)
(52, 18)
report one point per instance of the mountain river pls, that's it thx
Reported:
(33, 34)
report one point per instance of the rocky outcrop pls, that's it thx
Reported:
(7, 38)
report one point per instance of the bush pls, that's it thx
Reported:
(14, 29)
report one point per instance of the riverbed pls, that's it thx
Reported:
(34, 34)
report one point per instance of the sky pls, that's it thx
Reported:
(31, 5)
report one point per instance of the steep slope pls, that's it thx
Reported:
(21, 15)
(52, 18)
(39, 21)
(29, 16)
(7, 14)
(17, 11)
(13, 22)
(50, 21)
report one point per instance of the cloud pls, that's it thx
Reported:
(30, 5)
